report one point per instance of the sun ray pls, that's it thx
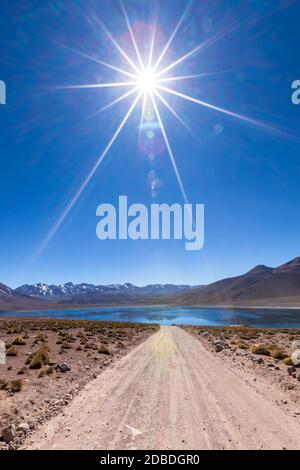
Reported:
(143, 109)
(132, 35)
(117, 46)
(88, 178)
(165, 49)
(192, 76)
(111, 104)
(98, 61)
(152, 41)
(259, 124)
(97, 85)
(148, 82)
(204, 45)
(172, 110)
(170, 152)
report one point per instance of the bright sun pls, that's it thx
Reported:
(150, 84)
(147, 81)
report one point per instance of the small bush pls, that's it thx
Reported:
(22, 370)
(102, 349)
(16, 385)
(39, 359)
(3, 384)
(241, 344)
(29, 359)
(45, 371)
(260, 349)
(19, 341)
(12, 351)
(279, 354)
(40, 338)
(12, 331)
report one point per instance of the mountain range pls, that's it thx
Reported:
(39, 296)
(261, 286)
(70, 290)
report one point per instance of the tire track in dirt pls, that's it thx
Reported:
(170, 393)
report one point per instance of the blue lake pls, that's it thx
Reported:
(275, 318)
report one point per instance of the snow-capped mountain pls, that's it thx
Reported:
(70, 290)
(5, 292)
(10, 297)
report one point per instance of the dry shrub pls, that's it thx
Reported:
(241, 344)
(278, 354)
(22, 370)
(19, 341)
(260, 349)
(16, 385)
(45, 371)
(3, 384)
(12, 351)
(288, 361)
(40, 338)
(102, 349)
(39, 359)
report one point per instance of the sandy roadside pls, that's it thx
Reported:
(48, 362)
(171, 393)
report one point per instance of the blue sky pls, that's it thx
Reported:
(247, 178)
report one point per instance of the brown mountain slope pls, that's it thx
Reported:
(11, 300)
(254, 287)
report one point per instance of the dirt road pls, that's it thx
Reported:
(170, 393)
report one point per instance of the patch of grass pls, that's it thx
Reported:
(19, 341)
(102, 349)
(288, 361)
(46, 371)
(39, 359)
(279, 354)
(13, 330)
(260, 349)
(16, 385)
(12, 351)
(40, 338)
(3, 384)
(241, 344)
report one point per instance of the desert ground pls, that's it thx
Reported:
(164, 388)
(49, 361)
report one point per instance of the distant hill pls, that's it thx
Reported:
(12, 300)
(261, 286)
(85, 292)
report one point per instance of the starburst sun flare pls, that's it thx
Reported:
(150, 84)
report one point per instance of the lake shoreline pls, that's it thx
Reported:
(166, 315)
